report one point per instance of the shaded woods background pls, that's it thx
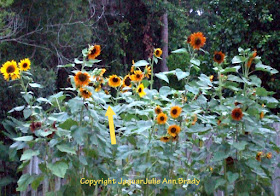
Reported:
(51, 33)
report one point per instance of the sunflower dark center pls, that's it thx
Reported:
(138, 76)
(157, 52)
(82, 77)
(237, 114)
(10, 69)
(24, 65)
(162, 118)
(127, 81)
(158, 110)
(93, 51)
(218, 57)
(85, 92)
(197, 41)
(173, 130)
(165, 138)
(115, 80)
(140, 90)
(174, 111)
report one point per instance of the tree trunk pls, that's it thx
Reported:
(164, 37)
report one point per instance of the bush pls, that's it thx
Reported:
(69, 132)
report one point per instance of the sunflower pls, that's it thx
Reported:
(114, 81)
(158, 52)
(137, 76)
(219, 57)
(82, 78)
(10, 70)
(127, 81)
(158, 110)
(147, 71)
(229, 161)
(99, 79)
(98, 88)
(94, 51)
(237, 114)
(251, 58)
(269, 155)
(174, 130)
(194, 119)
(197, 40)
(259, 156)
(24, 64)
(189, 39)
(262, 115)
(140, 90)
(175, 111)
(161, 118)
(211, 78)
(85, 93)
(106, 92)
(165, 139)
(175, 138)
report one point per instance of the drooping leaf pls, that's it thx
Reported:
(28, 154)
(58, 168)
(66, 148)
(162, 76)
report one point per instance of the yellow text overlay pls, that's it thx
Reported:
(105, 182)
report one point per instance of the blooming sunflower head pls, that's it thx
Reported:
(94, 51)
(158, 110)
(269, 155)
(197, 40)
(10, 70)
(211, 78)
(140, 90)
(137, 76)
(219, 57)
(175, 138)
(173, 130)
(114, 81)
(165, 139)
(158, 52)
(259, 156)
(127, 81)
(24, 64)
(98, 88)
(175, 111)
(161, 118)
(82, 78)
(147, 71)
(236, 114)
(85, 93)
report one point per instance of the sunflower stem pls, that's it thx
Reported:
(152, 73)
(220, 87)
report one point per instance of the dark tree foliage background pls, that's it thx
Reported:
(54, 32)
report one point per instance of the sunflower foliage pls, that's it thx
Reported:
(161, 134)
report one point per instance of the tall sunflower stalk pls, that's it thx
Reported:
(156, 56)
